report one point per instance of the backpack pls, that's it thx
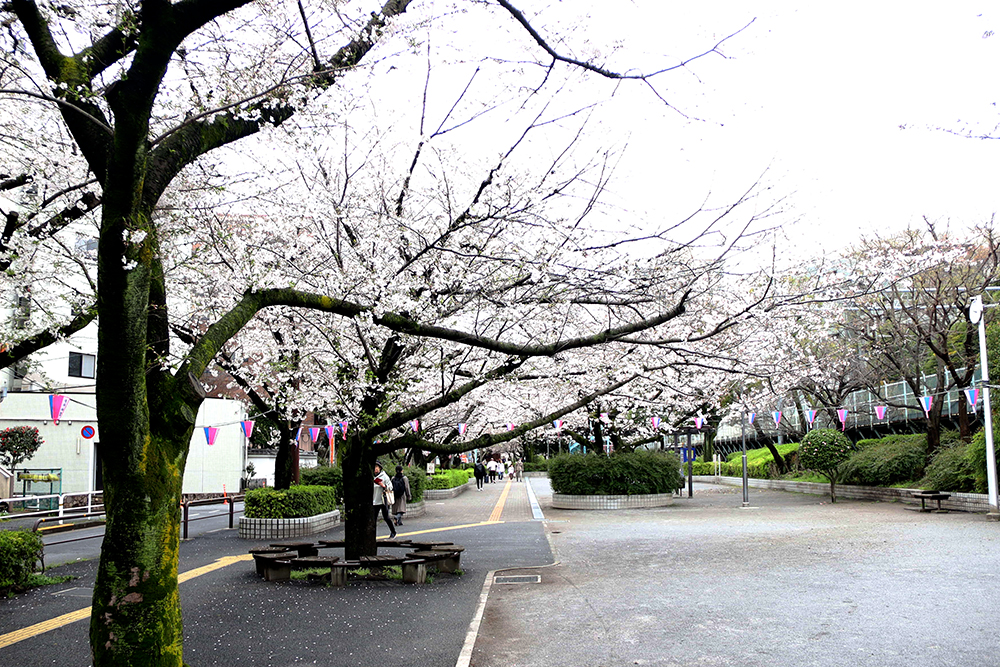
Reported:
(398, 487)
(480, 470)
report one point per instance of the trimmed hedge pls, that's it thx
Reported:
(19, 549)
(635, 473)
(887, 461)
(541, 465)
(449, 479)
(296, 502)
(332, 476)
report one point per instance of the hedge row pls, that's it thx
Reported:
(19, 550)
(293, 503)
(635, 473)
(333, 476)
(449, 479)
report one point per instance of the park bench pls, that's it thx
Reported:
(276, 562)
(303, 548)
(931, 495)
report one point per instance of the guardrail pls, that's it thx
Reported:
(187, 504)
(7, 504)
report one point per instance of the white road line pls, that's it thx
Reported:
(465, 657)
(536, 509)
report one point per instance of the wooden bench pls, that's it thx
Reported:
(303, 548)
(445, 559)
(931, 495)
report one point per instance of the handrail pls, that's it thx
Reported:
(228, 500)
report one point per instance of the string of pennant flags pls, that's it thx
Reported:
(59, 402)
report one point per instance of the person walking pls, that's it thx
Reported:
(479, 470)
(500, 470)
(510, 469)
(491, 468)
(518, 469)
(401, 489)
(381, 483)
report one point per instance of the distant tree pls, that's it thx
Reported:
(824, 450)
(18, 444)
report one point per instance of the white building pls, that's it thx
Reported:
(70, 451)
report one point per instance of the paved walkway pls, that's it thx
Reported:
(791, 581)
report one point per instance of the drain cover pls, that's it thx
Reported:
(519, 579)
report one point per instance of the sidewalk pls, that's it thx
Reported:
(793, 581)
(233, 617)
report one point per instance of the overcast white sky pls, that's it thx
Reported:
(851, 107)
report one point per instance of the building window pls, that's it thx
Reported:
(81, 365)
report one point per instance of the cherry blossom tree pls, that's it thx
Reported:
(146, 94)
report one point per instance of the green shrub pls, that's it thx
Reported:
(975, 456)
(760, 462)
(19, 549)
(448, 479)
(825, 450)
(332, 476)
(702, 468)
(634, 473)
(540, 465)
(950, 470)
(298, 501)
(890, 460)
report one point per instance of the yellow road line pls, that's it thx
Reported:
(225, 561)
(498, 510)
(44, 626)
(81, 614)
(438, 530)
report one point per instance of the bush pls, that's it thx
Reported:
(448, 479)
(760, 462)
(888, 461)
(975, 456)
(950, 470)
(539, 465)
(298, 501)
(19, 549)
(634, 473)
(825, 450)
(332, 476)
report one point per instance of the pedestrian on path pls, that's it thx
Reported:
(401, 489)
(381, 483)
(479, 470)
(518, 469)
(500, 470)
(491, 467)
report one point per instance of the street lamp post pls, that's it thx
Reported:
(976, 317)
(746, 480)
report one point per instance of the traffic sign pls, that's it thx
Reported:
(88, 432)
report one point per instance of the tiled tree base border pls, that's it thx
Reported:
(442, 494)
(276, 529)
(565, 501)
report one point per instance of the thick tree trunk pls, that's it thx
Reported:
(146, 423)
(778, 459)
(359, 521)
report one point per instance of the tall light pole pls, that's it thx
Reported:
(976, 317)
(746, 481)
